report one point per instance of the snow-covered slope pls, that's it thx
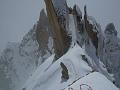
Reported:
(48, 75)
(93, 81)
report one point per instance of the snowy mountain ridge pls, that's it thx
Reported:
(63, 51)
(48, 75)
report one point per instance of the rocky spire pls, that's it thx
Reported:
(43, 34)
(89, 29)
(58, 18)
(78, 16)
(110, 29)
(79, 25)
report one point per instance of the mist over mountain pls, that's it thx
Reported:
(65, 50)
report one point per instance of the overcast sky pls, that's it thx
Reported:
(17, 17)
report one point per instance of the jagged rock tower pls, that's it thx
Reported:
(57, 13)
(43, 35)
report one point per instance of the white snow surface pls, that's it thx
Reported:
(72, 28)
(93, 81)
(48, 75)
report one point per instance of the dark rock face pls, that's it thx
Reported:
(89, 29)
(58, 15)
(65, 75)
(43, 30)
(44, 35)
(61, 10)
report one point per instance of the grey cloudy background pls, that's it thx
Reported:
(17, 17)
